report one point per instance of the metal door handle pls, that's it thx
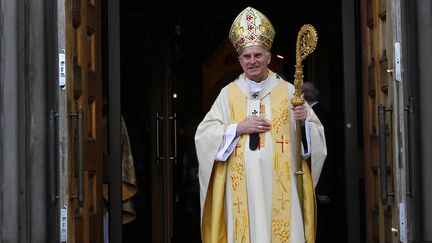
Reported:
(80, 196)
(52, 157)
(174, 119)
(158, 156)
(383, 153)
(411, 146)
(81, 157)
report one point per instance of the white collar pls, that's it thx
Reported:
(267, 85)
(255, 86)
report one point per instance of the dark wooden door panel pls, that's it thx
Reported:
(378, 140)
(85, 208)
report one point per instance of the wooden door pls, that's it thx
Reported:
(147, 97)
(152, 109)
(84, 177)
(382, 122)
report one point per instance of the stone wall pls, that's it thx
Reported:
(23, 121)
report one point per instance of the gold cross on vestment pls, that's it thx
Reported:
(237, 204)
(283, 201)
(283, 142)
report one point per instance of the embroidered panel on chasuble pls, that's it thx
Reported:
(281, 182)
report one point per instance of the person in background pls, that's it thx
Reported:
(326, 188)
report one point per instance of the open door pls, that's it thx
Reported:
(383, 111)
(80, 121)
(174, 63)
(158, 78)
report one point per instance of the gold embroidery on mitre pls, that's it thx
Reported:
(250, 28)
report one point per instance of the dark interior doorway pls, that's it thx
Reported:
(167, 54)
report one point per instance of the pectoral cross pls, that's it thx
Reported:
(283, 142)
(283, 201)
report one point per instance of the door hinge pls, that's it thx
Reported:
(62, 68)
(397, 59)
(63, 224)
(402, 223)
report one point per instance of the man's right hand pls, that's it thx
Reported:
(253, 124)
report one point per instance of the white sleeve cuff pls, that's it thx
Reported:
(307, 130)
(228, 143)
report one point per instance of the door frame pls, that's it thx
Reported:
(353, 164)
(63, 124)
(65, 70)
(353, 149)
(111, 71)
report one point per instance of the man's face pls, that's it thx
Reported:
(254, 61)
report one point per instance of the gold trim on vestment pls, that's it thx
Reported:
(281, 191)
(237, 169)
(213, 221)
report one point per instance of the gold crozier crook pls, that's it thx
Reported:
(307, 39)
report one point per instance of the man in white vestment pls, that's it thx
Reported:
(246, 149)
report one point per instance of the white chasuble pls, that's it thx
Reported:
(239, 202)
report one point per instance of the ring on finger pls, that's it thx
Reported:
(260, 127)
